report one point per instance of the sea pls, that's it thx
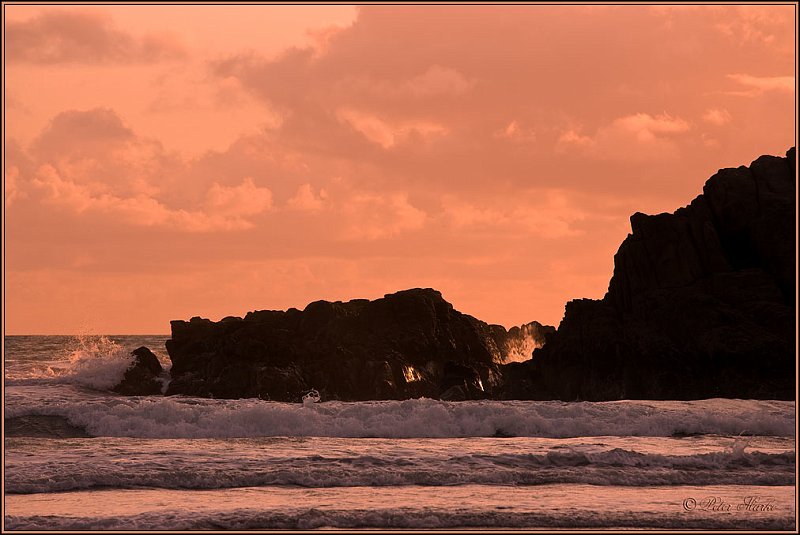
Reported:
(80, 457)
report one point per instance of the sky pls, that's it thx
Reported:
(169, 161)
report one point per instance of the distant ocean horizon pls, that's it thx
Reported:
(78, 456)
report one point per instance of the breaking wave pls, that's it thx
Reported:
(95, 362)
(182, 417)
(88, 361)
(611, 467)
(397, 518)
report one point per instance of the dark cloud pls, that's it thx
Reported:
(80, 37)
(82, 132)
(520, 96)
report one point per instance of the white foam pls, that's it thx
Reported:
(98, 363)
(179, 417)
(322, 469)
(311, 397)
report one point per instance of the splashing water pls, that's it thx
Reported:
(737, 448)
(97, 362)
(521, 350)
(311, 397)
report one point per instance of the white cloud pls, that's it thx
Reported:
(549, 214)
(758, 85)
(244, 199)
(142, 210)
(572, 139)
(716, 116)
(634, 137)
(514, 131)
(437, 81)
(387, 134)
(306, 200)
(372, 216)
(646, 126)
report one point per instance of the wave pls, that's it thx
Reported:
(397, 518)
(95, 362)
(89, 361)
(181, 417)
(43, 427)
(617, 467)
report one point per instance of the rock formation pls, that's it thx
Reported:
(408, 344)
(141, 378)
(701, 303)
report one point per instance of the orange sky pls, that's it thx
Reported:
(162, 162)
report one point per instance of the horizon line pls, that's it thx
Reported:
(6, 335)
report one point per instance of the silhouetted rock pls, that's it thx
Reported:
(408, 344)
(701, 303)
(141, 378)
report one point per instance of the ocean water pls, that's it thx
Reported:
(78, 457)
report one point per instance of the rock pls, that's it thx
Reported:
(408, 344)
(454, 393)
(147, 359)
(141, 378)
(701, 303)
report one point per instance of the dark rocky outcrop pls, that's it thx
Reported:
(408, 344)
(141, 378)
(701, 303)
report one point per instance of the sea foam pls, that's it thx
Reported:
(182, 417)
(603, 468)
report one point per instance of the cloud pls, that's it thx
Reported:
(372, 216)
(96, 149)
(717, 116)
(387, 134)
(635, 137)
(646, 126)
(546, 214)
(68, 36)
(494, 152)
(145, 211)
(244, 199)
(460, 112)
(571, 139)
(321, 38)
(85, 132)
(438, 80)
(91, 163)
(306, 200)
(763, 25)
(758, 85)
(514, 132)
(12, 188)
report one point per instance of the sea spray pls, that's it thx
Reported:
(97, 362)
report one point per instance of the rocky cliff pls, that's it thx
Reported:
(408, 344)
(701, 303)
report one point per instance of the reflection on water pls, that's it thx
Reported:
(402, 507)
